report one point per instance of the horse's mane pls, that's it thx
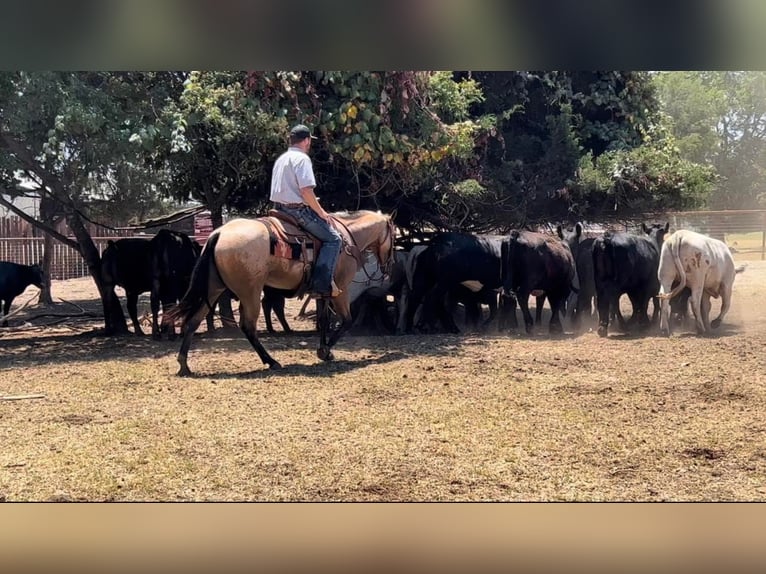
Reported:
(352, 215)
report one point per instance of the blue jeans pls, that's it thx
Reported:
(324, 263)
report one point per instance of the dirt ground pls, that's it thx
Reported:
(477, 416)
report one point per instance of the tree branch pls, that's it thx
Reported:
(38, 224)
(28, 161)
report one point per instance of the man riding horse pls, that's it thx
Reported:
(244, 256)
(292, 191)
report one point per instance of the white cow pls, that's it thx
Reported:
(371, 284)
(410, 262)
(703, 264)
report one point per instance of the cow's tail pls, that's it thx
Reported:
(507, 249)
(197, 293)
(740, 269)
(675, 251)
(607, 261)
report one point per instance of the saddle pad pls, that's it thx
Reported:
(288, 245)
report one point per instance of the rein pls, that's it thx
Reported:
(356, 253)
(391, 233)
(384, 269)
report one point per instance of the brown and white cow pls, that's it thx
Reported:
(703, 264)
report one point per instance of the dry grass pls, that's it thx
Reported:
(746, 246)
(473, 417)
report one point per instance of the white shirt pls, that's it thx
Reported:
(292, 171)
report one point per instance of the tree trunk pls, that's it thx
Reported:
(224, 303)
(48, 217)
(114, 319)
(45, 292)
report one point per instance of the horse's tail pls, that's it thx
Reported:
(197, 293)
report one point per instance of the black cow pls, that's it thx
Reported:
(172, 255)
(273, 299)
(582, 251)
(626, 263)
(14, 279)
(472, 302)
(540, 265)
(679, 305)
(450, 261)
(128, 263)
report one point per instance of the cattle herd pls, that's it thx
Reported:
(428, 283)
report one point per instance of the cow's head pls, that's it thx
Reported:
(571, 237)
(656, 232)
(38, 277)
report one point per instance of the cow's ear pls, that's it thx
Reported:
(578, 229)
(559, 231)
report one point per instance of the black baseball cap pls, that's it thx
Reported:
(302, 132)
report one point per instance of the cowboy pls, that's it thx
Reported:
(292, 191)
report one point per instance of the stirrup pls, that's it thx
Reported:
(334, 291)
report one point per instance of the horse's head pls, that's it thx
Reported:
(371, 230)
(385, 248)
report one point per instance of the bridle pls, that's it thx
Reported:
(386, 267)
(389, 238)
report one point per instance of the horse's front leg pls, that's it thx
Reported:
(324, 308)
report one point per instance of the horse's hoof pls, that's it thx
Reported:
(325, 354)
(184, 372)
(602, 331)
(665, 332)
(275, 366)
(715, 323)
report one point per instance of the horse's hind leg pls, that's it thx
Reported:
(190, 326)
(248, 313)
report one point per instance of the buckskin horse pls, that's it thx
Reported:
(244, 255)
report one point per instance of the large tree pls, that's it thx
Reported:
(719, 118)
(550, 123)
(69, 134)
(391, 140)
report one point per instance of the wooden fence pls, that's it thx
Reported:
(66, 263)
(23, 243)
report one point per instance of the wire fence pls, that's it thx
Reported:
(744, 231)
